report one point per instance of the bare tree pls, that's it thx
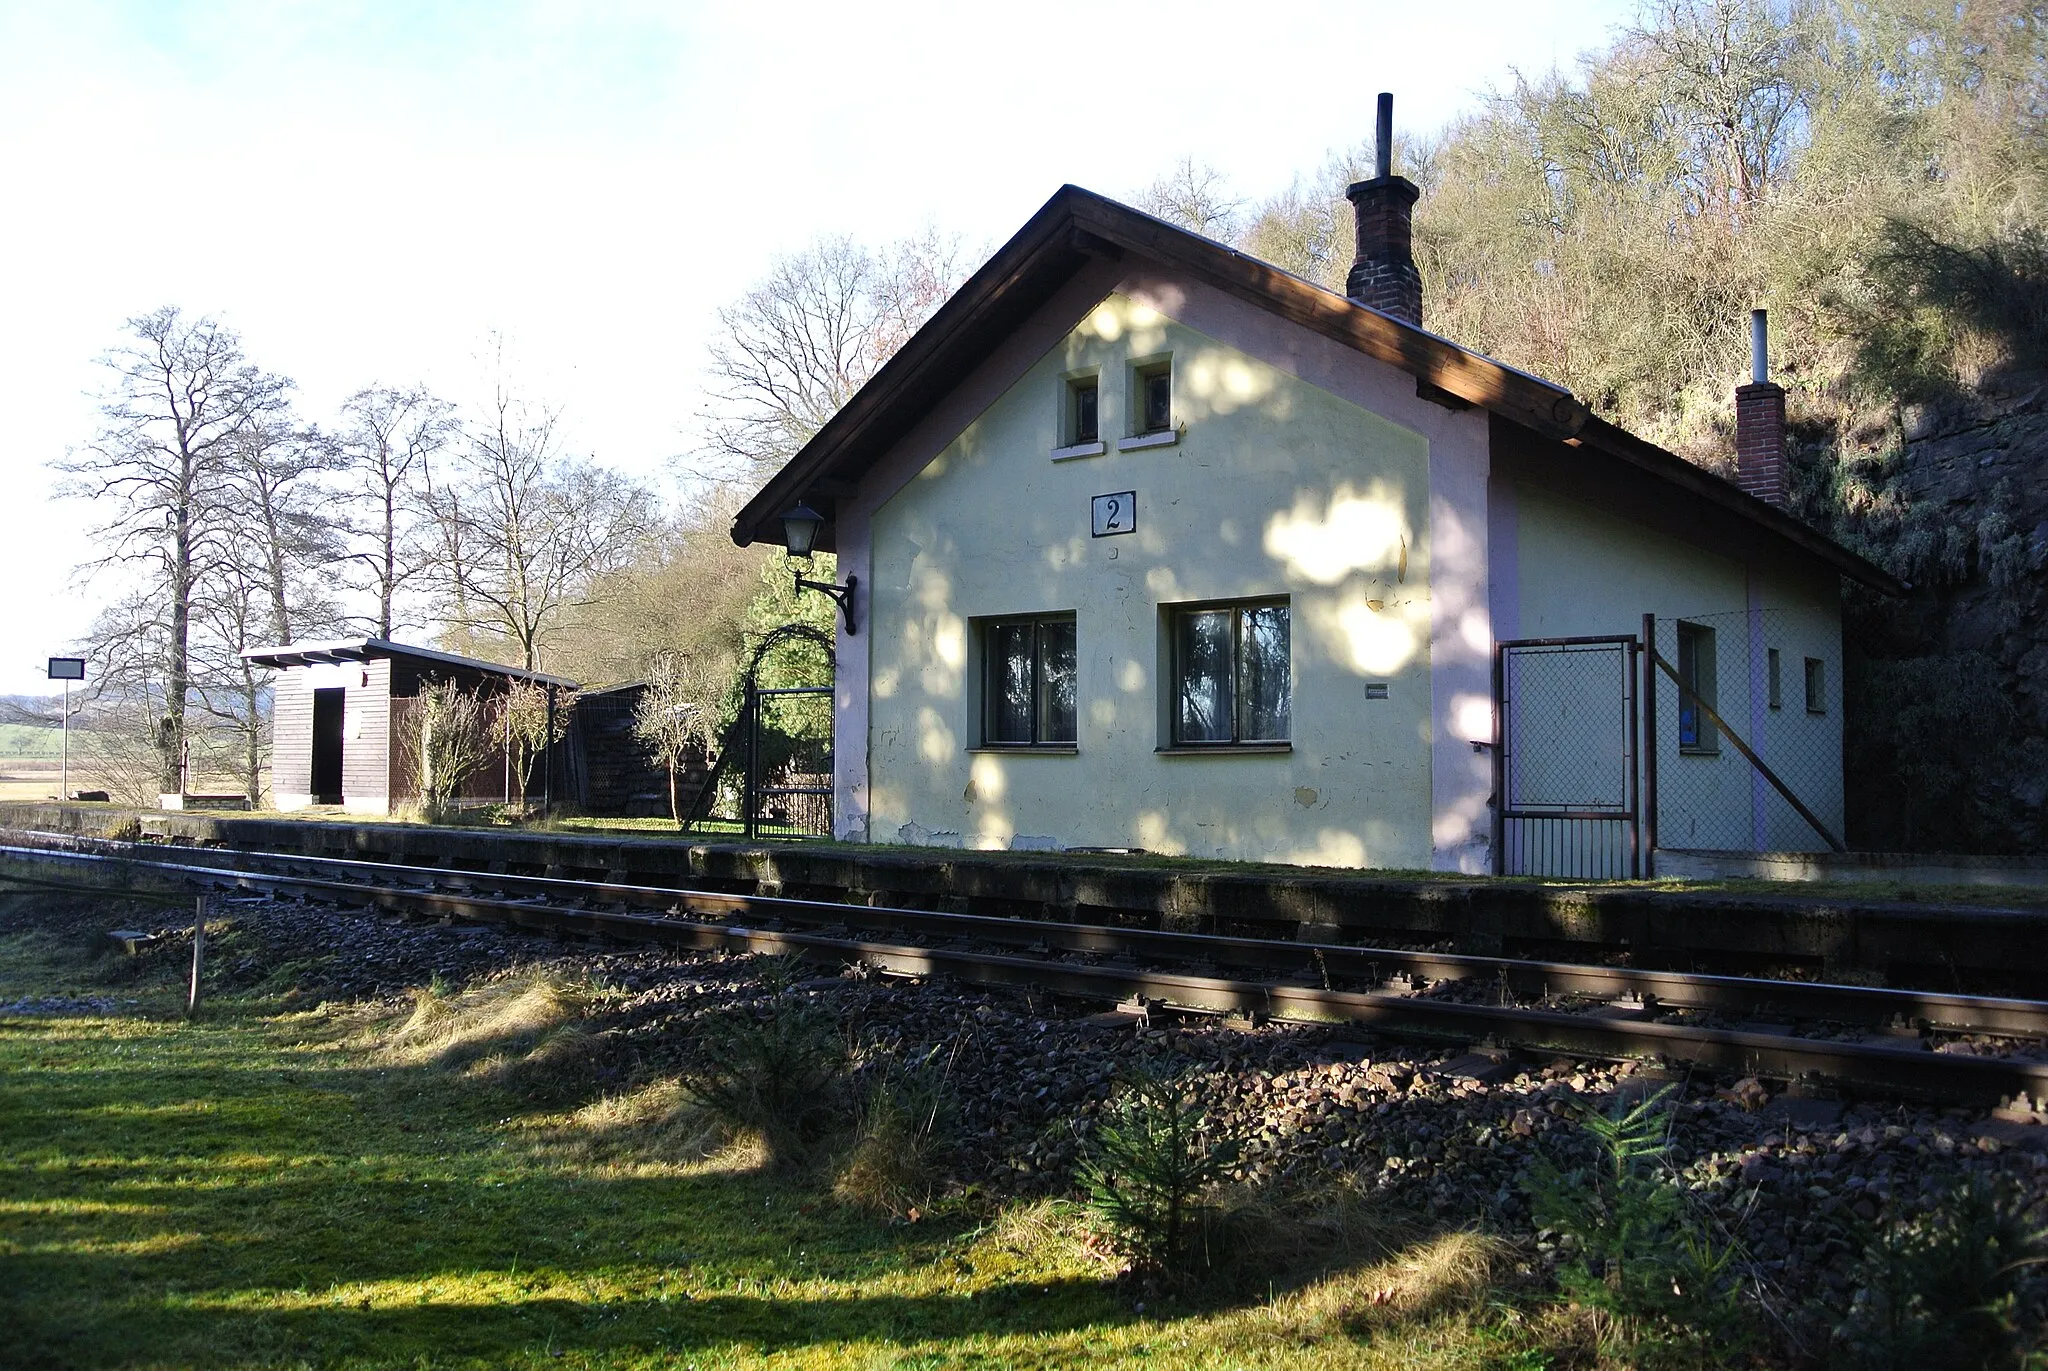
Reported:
(181, 396)
(389, 439)
(113, 731)
(1727, 73)
(236, 612)
(282, 532)
(523, 532)
(449, 739)
(675, 717)
(530, 726)
(796, 346)
(1195, 196)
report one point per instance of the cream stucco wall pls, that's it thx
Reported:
(1275, 487)
(1303, 470)
(1580, 570)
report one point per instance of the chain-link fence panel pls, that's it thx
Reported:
(1747, 724)
(1568, 784)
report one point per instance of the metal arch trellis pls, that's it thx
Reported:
(774, 794)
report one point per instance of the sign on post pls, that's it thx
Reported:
(67, 670)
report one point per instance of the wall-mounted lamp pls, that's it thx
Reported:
(800, 534)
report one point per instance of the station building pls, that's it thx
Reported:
(1153, 545)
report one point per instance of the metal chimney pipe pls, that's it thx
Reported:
(1759, 348)
(1383, 161)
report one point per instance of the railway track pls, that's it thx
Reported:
(1867, 1037)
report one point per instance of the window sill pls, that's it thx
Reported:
(1164, 438)
(1225, 750)
(1030, 749)
(1068, 454)
(1699, 751)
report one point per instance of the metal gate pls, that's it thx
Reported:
(1566, 783)
(789, 762)
(773, 773)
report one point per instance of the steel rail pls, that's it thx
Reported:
(1944, 1075)
(1316, 962)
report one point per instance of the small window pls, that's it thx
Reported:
(1777, 693)
(1082, 424)
(1028, 682)
(1231, 681)
(1155, 397)
(1816, 686)
(1696, 731)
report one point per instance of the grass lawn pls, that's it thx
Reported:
(30, 740)
(267, 1188)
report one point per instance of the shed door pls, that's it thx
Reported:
(329, 709)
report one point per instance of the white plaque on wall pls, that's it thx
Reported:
(1112, 514)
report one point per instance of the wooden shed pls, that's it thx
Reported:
(339, 706)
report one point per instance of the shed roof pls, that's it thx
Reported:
(1076, 226)
(364, 649)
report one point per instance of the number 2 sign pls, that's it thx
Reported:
(1116, 513)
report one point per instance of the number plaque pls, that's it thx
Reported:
(1112, 514)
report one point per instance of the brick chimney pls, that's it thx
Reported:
(1383, 274)
(1760, 423)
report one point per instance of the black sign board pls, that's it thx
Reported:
(67, 668)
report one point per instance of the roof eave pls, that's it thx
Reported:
(1618, 442)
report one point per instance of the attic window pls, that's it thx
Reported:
(1080, 418)
(1155, 398)
(1082, 396)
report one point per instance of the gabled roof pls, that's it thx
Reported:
(363, 649)
(1077, 226)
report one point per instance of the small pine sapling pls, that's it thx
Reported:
(1644, 1258)
(1156, 1161)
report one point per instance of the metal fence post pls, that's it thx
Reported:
(198, 954)
(547, 759)
(1648, 819)
(750, 793)
(1500, 747)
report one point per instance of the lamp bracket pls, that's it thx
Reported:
(840, 595)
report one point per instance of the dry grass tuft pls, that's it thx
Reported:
(1052, 1234)
(1256, 1240)
(886, 1173)
(524, 1031)
(655, 1122)
(1431, 1277)
(890, 1171)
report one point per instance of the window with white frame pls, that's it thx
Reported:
(1232, 680)
(1028, 681)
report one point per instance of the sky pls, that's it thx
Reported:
(373, 192)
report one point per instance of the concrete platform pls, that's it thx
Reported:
(1925, 945)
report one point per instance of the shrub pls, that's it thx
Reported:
(1946, 1289)
(1642, 1258)
(1155, 1166)
(778, 1076)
